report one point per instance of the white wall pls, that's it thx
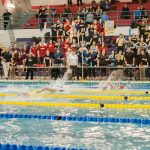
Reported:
(56, 2)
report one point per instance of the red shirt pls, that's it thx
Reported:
(34, 50)
(67, 26)
(103, 48)
(65, 46)
(51, 48)
(42, 50)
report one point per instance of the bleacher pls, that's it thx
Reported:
(114, 14)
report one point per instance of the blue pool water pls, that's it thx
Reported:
(72, 134)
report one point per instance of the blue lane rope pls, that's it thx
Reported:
(30, 147)
(80, 119)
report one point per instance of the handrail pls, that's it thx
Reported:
(115, 15)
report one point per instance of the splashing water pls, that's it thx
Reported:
(60, 83)
(116, 75)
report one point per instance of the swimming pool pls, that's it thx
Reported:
(86, 127)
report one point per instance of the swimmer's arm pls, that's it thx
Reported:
(47, 89)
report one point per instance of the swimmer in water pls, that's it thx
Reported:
(51, 90)
(110, 86)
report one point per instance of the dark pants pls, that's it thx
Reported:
(69, 2)
(55, 73)
(30, 71)
(75, 71)
(79, 2)
(5, 25)
(91, 72)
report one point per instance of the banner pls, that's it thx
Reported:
(109, 27)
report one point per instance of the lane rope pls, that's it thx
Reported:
(30, 147)
(76, 118)
(113, 91)
(91, 97)
(77, 105)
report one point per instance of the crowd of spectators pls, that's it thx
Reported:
(78, 44)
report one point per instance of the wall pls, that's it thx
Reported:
(56, 2)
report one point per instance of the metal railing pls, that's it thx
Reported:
(79, 72)
(23, 21)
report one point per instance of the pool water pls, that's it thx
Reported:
(73, 134)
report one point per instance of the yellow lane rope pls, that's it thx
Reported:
(78, 105)
(112, 91)
(91, 97)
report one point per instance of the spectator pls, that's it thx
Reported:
(142, 10)
(142, 28)
(6, 57)
(89, 18)
(42, 47)
(34, 52)
(137, 14)
(129, 43)
(72, 62)
(112, 58)
(79, 2)
(94, 5)
(104, 17)
(51, 48)
(91, 58)
(143, 65)
(69, 2)
(129, 57)
(104, 5)
(29, 66)
(12, 70)
(47, 63)
(42, 16)
(58, 60)
(120, 43)
(20, 62)
(103, 61)
(66, 12)
(125, 14)
(7, 19)
(120, 60)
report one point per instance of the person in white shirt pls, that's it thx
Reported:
(72, 62)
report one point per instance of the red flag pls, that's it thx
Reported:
(3, 2)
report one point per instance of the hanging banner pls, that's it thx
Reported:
(109, 27)
(3, 2)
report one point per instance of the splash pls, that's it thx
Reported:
(116, 75)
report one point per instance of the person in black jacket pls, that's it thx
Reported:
(6, 57)
(29, 64)
(42, 15)
(125, 12)
(7, 18)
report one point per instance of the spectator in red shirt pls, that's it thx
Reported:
(103, 47)
(65, 45)
(67, 25)
(51, 48)
(34, 51)
(42, 51)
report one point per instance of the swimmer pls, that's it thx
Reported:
(51, 90)
(109, 86)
